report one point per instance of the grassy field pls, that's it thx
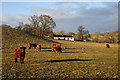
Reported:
(78, 60)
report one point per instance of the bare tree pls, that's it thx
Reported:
(81, 31)
(62, 32)
(34, 21)
(47, 24)
(20, 26)
(27, 28)
(42, 24)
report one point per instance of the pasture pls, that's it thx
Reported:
(77, 60)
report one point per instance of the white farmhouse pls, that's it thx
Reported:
(64, 37)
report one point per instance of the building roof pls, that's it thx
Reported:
(63, 35)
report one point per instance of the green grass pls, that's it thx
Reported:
(78, 60)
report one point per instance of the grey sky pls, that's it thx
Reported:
(94, 16)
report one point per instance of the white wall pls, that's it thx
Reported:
(72, 39)
(66, 38)
(58, 37)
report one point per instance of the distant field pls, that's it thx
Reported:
(78, 60)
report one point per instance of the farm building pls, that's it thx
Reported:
(64, 37)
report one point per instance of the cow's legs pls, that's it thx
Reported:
(60, 50)
(21, 60)
(57, 51)
(53, 50)
(30, 47)
(39, 50)
(15, 60)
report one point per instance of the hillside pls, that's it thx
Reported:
(110, 37)
(77, 60)
(12, 38)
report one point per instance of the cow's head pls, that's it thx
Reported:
(54, 44)
(36, 44)
(23, 48)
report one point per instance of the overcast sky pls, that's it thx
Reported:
(94, 16)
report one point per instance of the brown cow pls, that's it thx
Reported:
(19, 53)
(54, 44)
(56, 47)
(23, 51)
(39, 47)
(33, 45)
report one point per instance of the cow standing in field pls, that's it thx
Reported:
(19, 53)
(107, 45)
(39, 47)
(56, 47)
(33, 45)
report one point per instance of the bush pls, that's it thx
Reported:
(104, 39)
(95, 40)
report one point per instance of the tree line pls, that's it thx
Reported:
(39, 25)
(43, 26)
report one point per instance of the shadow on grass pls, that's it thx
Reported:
(71, 52)
(71, 48)
(69, 60)
(46, 50)
(57, 52)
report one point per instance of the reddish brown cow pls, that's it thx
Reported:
(54, 44)
(56, 47)
(19, 53)
(39, 47)
(33, 45)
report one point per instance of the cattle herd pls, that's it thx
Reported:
(20, 53)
